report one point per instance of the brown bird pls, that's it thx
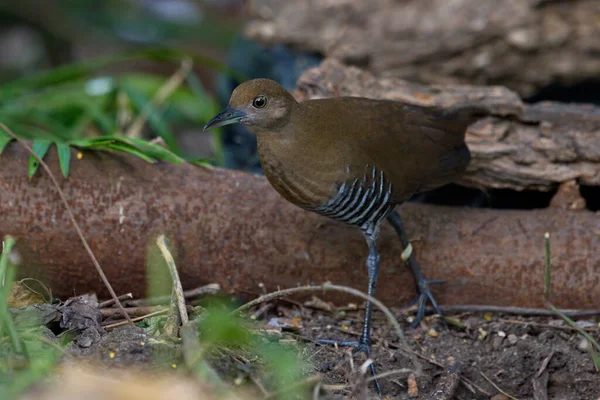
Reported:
(353, 159)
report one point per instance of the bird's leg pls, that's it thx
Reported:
(423, 285)
(373, 262)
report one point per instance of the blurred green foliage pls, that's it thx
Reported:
(82, 106)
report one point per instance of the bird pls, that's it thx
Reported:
(353, 160)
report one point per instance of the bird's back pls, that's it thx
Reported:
(417, 148)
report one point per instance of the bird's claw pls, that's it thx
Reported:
(424, 289)
(359, 347)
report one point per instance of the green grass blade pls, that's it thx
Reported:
(125, 148)
(40, 147)
(64, 157)
(6, 321)
(154, 150)
(4, 140)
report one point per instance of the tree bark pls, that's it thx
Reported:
(522, 44)
(519, 146)
(232, 228)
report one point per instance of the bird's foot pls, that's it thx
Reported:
(424, 290)
(359, 347)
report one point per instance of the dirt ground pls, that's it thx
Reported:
(492, 353)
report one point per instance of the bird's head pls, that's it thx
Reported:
(262, 104)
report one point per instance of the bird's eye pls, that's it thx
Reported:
(259, 102)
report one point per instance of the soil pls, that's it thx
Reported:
(509, 351)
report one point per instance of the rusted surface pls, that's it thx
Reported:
(524, 45)
(520, 146)
(233, 229)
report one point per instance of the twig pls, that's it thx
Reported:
(187, 294)
(540, 380)
(110, 302)
(547, 274)
(46, 288)
(382, 375)
(134, 311)
(317, 390)
(447, 385)
(469, 384)
(121, 323)
(259, 385)
(179, 300)
(72, 218)
(540, 325)
(161, 95)
(497, 387)
(534, 312)
(357, 293)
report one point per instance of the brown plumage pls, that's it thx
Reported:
(353, 159)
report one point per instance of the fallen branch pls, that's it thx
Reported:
(211, 288)
(233, 228)
(447, 385)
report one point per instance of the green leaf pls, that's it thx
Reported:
(4, 140)
(125, 148)
(154, 150)
(64, 157)
(40, 147)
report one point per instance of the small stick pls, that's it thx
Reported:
(211, 288)
(121, 323)
(134, 311)
(540, 380)
(72, 218)
(540, 325)
(497, 387)
(547, 274)
(534, 312)
(178, 301)
(447, 385)
(110, 302)
(357, 293)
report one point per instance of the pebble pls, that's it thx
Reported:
(583, 345)
(497, 342)
(512, 338)
(499, 397)
(433, 333)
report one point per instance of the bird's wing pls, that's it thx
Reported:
(417, 148)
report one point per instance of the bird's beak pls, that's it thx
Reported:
(226, 117)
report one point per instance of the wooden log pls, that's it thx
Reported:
(520, 146)
(522, 44)
(234, 229)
